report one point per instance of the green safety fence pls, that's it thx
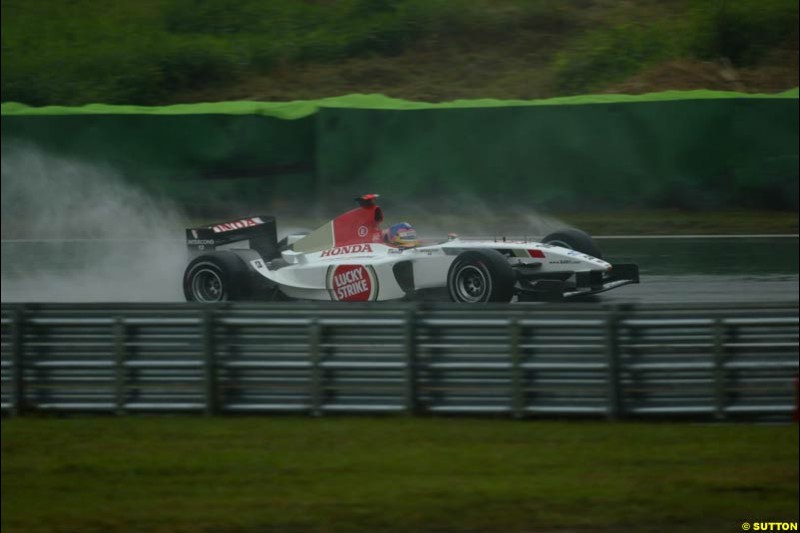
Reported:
(691, 153)
(200, 160)
(687, 149)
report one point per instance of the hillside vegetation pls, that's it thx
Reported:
(166, 51)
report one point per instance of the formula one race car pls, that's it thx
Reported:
(351, 259)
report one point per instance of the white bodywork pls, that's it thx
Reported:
(365, 272)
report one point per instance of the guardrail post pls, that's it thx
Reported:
(209, 364)
(120, 374)
(18, 362)
(517, 372)
(315, 339)
(613, 403)
(719, 369)
(410, 349)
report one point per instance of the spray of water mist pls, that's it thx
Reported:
(465, 214)
(75, 232)
(470, 216)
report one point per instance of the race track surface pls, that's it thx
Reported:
(707, 289)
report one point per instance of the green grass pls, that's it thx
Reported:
(245, 475)
(160, 51)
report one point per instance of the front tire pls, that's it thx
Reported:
(574, 239)
(480, 276)
(216, 277)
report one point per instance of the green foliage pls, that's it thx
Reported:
(740, 31)
(85, 53)
(59, 52)
(610, 54)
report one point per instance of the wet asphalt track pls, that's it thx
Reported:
(673, 270)
(706, 289)
(707, 269)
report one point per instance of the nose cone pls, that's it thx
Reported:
(566, 257)
(596, 264)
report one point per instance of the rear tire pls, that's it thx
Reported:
(216, 277)
(480, 276)
(574, 239)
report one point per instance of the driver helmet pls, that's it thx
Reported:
(402, 234)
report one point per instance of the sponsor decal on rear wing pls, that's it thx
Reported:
(258, 230)
(237, 224)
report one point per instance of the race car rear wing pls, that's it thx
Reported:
(259, 231)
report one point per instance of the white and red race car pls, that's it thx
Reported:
(348, 259)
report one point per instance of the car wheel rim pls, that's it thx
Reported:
(207, 286)
(471, 284)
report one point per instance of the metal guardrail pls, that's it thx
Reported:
(721, 362)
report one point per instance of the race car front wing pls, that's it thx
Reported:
(576, 284)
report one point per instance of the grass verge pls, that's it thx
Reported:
(391, 474)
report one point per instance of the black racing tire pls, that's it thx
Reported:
(217, 277)
(574, 239)
(480, 276)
